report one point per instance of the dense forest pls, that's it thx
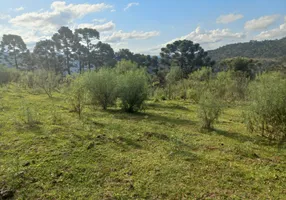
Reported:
(271, 49)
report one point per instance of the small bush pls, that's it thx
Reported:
(124, 66)
(231, 86)
(8, 75)
(77, 94)
(198, 82)
(102, 86)
(133, 90)
(209, 109)
(48, 81)
(267, 112)
(29, 116)
(172, 78)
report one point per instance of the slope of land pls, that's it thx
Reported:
(272, 49)
(48, 153)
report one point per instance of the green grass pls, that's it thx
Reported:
(157, 154)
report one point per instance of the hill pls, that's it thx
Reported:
(268, 49)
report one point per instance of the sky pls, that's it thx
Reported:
(145, 26)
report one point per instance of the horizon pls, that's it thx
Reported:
(146, 26)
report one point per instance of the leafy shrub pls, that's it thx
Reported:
(160, 94)
(29, 116)
(8, 75)
(198, 82)
(77, 94)
(133, 90)
(102, 86)
(48, 81)
(209, 109)
(267, 112)
(125, 66)
(27, 79)
(231, 86)
(172, 78)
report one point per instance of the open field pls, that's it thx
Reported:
(47, 152)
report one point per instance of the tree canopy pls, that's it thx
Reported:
(185, 54)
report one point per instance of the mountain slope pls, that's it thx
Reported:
(254, 49)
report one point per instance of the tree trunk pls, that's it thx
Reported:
(89, 67)
(16, 63)
(68, 65)
(80, 67)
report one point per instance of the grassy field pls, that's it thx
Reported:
(47, 152)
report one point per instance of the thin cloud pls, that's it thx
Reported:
(261, 23)
(130, 5)
(19, 9)
(119, 36)
(226, 19)
(109, 26)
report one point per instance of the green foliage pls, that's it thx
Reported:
(210, 108)
(252, 49)
(102, 86)
(77, 94)
(123, 156)
(231, 86)
(186, 54)
(199, 81)
(267, 112)
(28, 115)
(14, 45)
(124, 66)
(172, 78)
(245, 66)
(133, 89)
(8, 75)
(47, 81)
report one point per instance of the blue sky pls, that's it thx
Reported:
(144, 26)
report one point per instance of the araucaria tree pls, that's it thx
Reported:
(185, 54)
(14, 45)
(45, 53)
(64, 41)
(86, 37)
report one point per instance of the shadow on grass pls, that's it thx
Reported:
(243, 138)
(123, 141)
(171, 106)
(150, 117)
(185, 155)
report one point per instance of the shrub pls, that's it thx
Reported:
(172, 78)
(231, 86)
(29, 115)
(102, 86)
(133, 90)
(77, 94)
(48, 81)
(209, 109)
(267, 112)
(125, 65)
(8, 75)
(198, 82)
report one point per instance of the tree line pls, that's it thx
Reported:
(82, 48)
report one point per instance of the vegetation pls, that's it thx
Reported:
(267, 112)
(133, 126)
(133, 90)
(185, 54)
(252, 49)
(102, 86)
(159, 154)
